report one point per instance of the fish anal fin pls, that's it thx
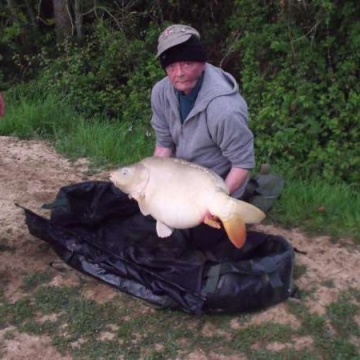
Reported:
(236, 230)
(248, 212)
(212, 221)
(163, 230)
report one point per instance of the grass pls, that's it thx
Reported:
(31, 281)
(342, 315)
(77, 326)
(319, 208)
(332, 332)
(101, 140)
(105, 142)
(299, 270)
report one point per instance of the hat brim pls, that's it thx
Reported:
(171, 42)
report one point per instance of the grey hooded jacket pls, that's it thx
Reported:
(215, 133)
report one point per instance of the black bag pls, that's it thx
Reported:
(97, 230)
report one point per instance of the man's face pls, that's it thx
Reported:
(184, 75)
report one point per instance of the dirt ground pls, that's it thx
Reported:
(31, 173)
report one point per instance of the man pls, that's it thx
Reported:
(198, 113)
(2, 105)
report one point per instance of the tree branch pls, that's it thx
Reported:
(230, 48)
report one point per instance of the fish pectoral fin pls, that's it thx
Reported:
(163, 230)
(142, 205)
(140, 198)
(236, 230)
(212, 221)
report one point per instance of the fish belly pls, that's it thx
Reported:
(176, 212)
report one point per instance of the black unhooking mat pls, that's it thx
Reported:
(97, 230)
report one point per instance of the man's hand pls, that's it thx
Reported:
(162, 151)
(2, 105)
(236, 178)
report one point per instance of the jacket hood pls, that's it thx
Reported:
(216, 83)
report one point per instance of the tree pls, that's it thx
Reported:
(63, 22)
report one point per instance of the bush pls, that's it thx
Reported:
(108, 74)
(298, 70)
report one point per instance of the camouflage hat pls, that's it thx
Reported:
(175, 35)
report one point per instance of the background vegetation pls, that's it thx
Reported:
(80, 72)
(296, 60)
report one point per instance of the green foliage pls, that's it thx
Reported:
(20, 40)
(298, 65)
(109, 74)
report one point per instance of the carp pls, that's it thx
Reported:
(179, 194)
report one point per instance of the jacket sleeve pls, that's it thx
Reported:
(158, 120)
(228, 127)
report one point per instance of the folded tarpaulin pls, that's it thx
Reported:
(96, 229)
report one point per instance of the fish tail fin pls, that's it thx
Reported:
(234, 214)
(236, 230)
(249, 213)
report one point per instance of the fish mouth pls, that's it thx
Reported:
(112, 178)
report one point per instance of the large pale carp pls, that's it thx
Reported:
(179, 195)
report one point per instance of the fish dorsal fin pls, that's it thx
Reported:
(163, 230)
